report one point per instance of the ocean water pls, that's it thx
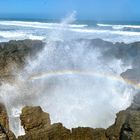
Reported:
(71, 79)
(27, 29)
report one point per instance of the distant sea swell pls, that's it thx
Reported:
(18, 30)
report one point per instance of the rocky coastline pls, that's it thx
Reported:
(37, 123)
(37, 126)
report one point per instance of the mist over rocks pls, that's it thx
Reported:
(14, 55)
(132, 74)
(128, 53)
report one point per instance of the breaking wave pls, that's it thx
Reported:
(119, 26)
(18, 30)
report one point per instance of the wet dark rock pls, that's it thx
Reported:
(113, 132)
(126, 132)
(126, 127)
(86, 133)
(3, 117)
(133, 75)
(13, 55)
(5, 133)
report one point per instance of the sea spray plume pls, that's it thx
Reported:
(52, 41)
(15, 96)
(62, 30)
(69, 99)
(8, 96)
(69, 19)
(21, 91)
(76, 95)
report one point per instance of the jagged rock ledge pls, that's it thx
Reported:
(37, 126)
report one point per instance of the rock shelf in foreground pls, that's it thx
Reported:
(37, 126)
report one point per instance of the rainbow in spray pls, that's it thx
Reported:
(46, 74)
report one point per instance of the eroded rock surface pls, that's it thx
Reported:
(86, 133)
(33, 118)
(53, 132)
(13, 55)
(133, 75)
(5, 133)
(126, 127)
(38, 127)
(3, 117)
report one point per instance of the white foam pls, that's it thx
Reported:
(118, 27)
(11, 34)
(18, 35)
(39, 24)
(97, 31)
(39, 30)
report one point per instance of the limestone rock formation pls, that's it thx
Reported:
(14, 53)
(133, 75)
(37, 126)
(126, 127)
(5, 133)
(86, 133)
(113, 132)
(131, 127)
(33, 118)
(3, 117)
(53, 132)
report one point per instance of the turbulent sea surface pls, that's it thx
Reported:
(14, 30)
(74, 81)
